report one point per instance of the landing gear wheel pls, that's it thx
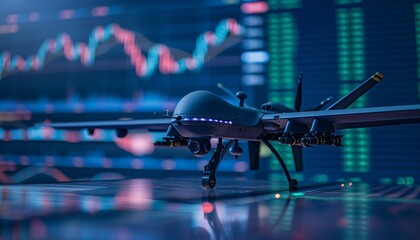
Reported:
(208, 180)
(293, 185)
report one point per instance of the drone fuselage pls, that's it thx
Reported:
(204, 114)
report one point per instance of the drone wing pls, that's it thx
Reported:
(349, 118)
(124, 125)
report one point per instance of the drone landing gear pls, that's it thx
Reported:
(293, 183)
(209, 175)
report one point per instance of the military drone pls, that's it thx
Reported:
(201, 115)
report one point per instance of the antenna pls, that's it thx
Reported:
(167, 115)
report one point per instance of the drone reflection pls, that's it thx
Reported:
(156, 209)
(251, 220)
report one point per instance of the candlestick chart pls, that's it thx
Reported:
(158, 57)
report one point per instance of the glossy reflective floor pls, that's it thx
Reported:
(179, 208)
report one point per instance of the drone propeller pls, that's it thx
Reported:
(297, 150)
(298, 157)
(298, 98)
(254, 154)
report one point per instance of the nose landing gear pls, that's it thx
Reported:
(209, 175)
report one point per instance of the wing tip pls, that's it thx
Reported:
(378, 76)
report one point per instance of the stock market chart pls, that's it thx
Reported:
(108, 60)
